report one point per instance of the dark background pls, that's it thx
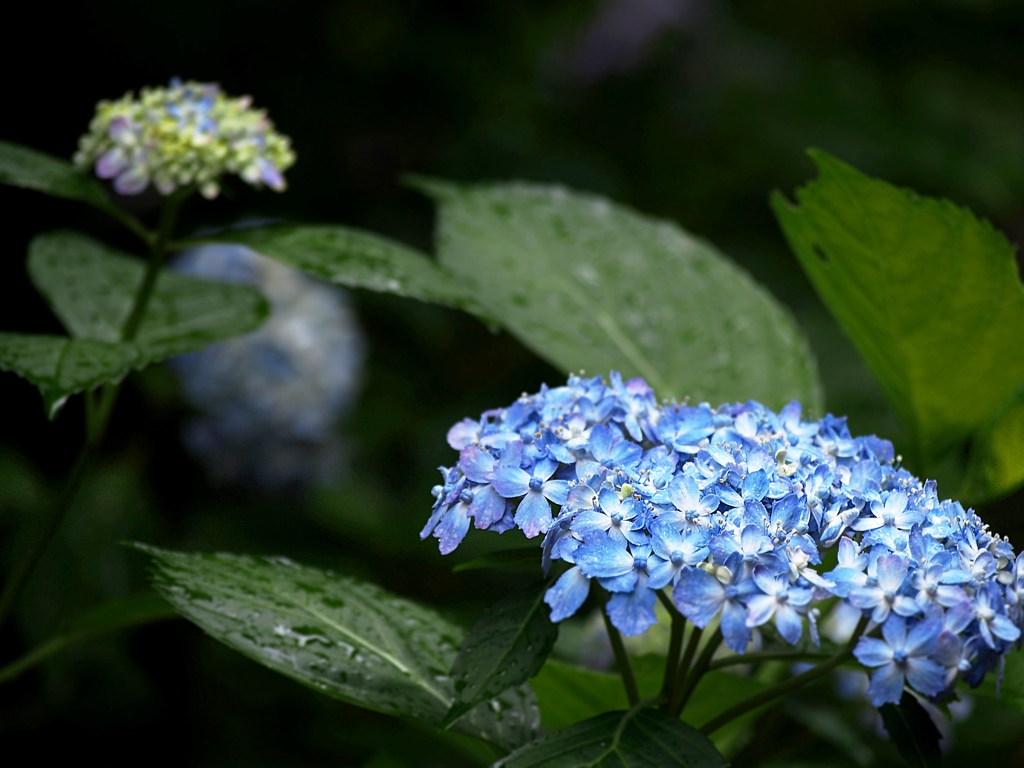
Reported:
(692, 110)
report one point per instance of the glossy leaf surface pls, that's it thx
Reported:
(24, 167)
(60, 367)
(91, 288)
(589, 284)
(568, 694)
(356, 259)
(645, 739)
(507, 646)
(912, 731)
(928, 293)
(341, 636)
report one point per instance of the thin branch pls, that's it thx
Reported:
(770, 694)
(622, 660)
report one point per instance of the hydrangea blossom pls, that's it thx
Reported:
(187, 134)
(749, 517)
(270, 401)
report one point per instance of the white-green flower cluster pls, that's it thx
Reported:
(189, 134)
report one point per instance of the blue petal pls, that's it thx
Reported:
(925, 676)
(698, 595)
(568, 594)
(487, 507)
(601, 556)
(872, 652)
(476, 464)
(511, 482)
(534, 514)
(886, 685)
(633, 612)
(452, 529)
(734, 626)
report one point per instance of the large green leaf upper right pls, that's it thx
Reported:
(931, 297)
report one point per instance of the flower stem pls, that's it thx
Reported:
(28, 560)
(684, 666)
(696, 673)
(757, 656)
(97, 415)
(675, 645)
(622, 660)
(770, 694)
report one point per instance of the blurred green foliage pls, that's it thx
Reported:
(691, 110)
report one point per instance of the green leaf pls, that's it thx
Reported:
(341, 636)
(912, 731)
(24, 167)
(928, 293)
(996, 465)
(635, 739)
(568, 694)
(592, 285)
(60, 367)
(507, 646)
(356, 259)
(91, 288)
(112, 616)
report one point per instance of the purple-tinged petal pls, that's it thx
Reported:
(452, 529)
(511, 482)
(476, 464)
(463, 434)
(487, 508)
(534, 515)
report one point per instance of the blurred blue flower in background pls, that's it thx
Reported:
(269, 402)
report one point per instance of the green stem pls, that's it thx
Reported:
(130, 222)
(98, 416)
(24, 566)
(56, 644)
(157, 254)
(622, 660)
(684, 666)
(770, 694)
(756, 657)
(696, 673)
(675, 645)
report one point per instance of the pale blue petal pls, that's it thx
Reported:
(568, 594)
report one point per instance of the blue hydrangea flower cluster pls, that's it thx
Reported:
(270, 402)
(749, 517)
(188, 134)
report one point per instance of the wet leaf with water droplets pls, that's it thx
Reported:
(60, 367)
(507, 646)
(590, 284)
(356, 259)
(647, 738)
(91, 289)
(24, 167)
(341, 636)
